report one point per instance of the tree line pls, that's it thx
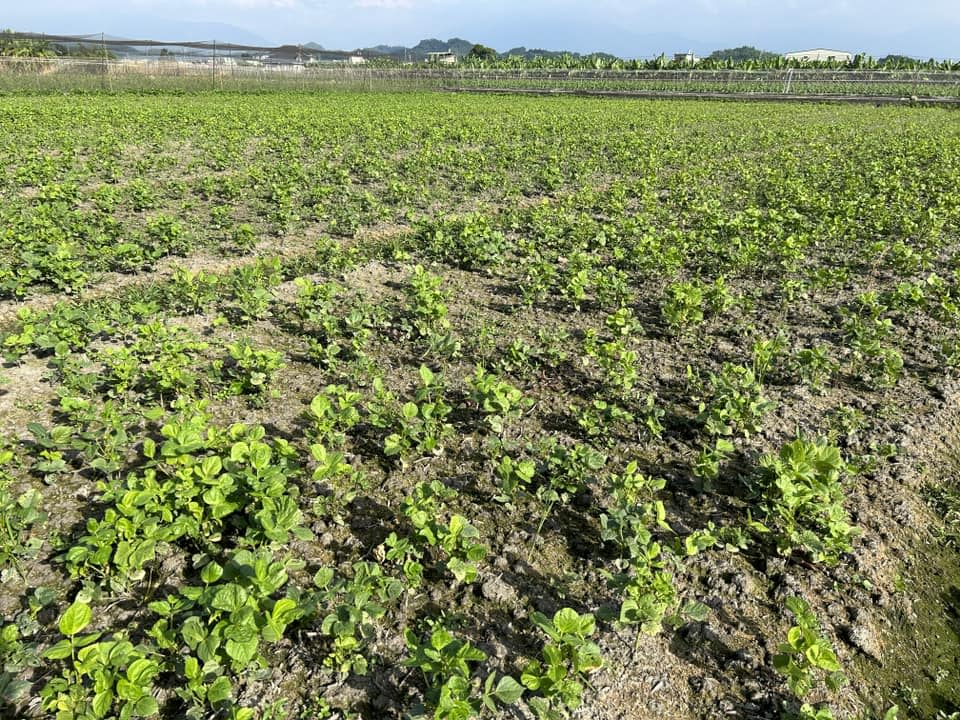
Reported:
(13, 45)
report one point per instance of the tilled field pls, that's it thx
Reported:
(382, 406)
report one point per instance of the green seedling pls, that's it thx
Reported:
(807, 655)
(497, 399)
(453, 693)
(350, 609)
(100, 677)
(455, 539)
(426, 308)
(421, 425)
(804, 499)
(513, 476)
(249, 370)
(558, 678)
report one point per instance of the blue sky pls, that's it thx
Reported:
(630, 28)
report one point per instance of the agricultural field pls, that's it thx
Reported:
(72, 75)
(370, 405)
(851, 83)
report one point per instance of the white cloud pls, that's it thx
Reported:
(629, 27)
(229, 4)
(383, 4)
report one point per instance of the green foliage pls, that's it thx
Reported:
(736, 404)
(566, 473)
(103, 677)
(421, 425)
(250, 287)
(765, 353)
(244, 237)
(807, 656)
(497, 399)
(13, 46)
(482, 52)
(634, 512)
(618, 362)
(634, 516)
(601, 419)
(513, 476)
(814, 366)
(64, 326)
(452, 691)
(235, 611)
(709, 461)
(740, 54)
(454, 540)
(564, 237)
(249, 370)
(16, 655)
(193, 291)
(470, 241)
(18, 515)
(333, 413)
(803, 498)
(165, 237)
(157, 363)
(557, 679)
(683, 307)
(426, 307)
(867, 332)
(350, 608)
(197, 484)
(315, 305)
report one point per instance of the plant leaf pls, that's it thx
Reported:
(508, 690)
(75, 619)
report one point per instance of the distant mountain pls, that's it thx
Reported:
(530, 54)
(458, 46)
(313, 46)
(744, 52)
(461, 48)
(419, 52)
(128, 27)
(221, 32)
(398, 50)
(92, 43)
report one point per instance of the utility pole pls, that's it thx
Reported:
(103, 62)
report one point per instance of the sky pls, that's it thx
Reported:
(629, 28)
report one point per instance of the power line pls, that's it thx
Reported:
(210, 45)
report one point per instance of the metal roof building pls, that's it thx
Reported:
(820, 55)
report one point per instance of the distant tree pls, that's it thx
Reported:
(742, 54)
(482, 52)
(85, 51)
(12, 45)
(898, 62)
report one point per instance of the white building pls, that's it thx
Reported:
(443, 58)
(820, 55)
(357, 60)
(687, 58)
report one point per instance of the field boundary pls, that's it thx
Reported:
(239, 73)
(728, 96)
